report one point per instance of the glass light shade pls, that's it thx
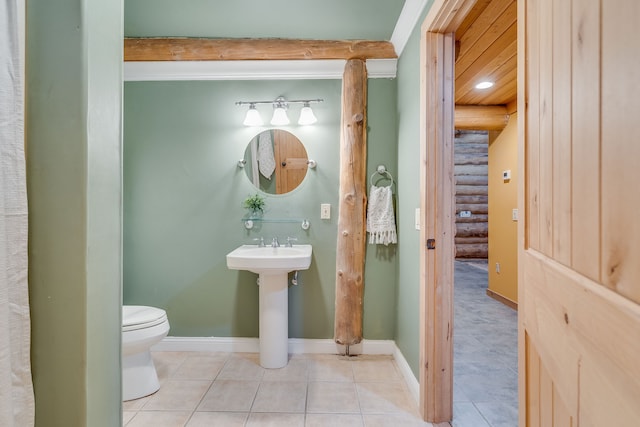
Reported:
(484, 85)
(253, 117)
(279, 117)
(306, 116)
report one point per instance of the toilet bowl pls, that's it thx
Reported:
(142, 327)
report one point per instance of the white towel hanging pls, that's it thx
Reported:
(381, 222)
(266, 159)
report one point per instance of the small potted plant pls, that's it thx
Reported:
(255, 204)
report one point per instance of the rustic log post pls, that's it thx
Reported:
(350, 253)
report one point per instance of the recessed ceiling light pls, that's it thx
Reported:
(484, 85)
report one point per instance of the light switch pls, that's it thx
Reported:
(325, 211)
(417, 219)
(514, 214)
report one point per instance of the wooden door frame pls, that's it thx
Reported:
(437, 105)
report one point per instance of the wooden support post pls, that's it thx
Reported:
(350, 254)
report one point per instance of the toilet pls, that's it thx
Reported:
(142, 327)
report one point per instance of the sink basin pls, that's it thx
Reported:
(273, 266)
(270, 260)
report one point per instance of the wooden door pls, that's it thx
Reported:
(579, 260)
(291, 161)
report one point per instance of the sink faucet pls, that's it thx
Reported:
(289, 240)
(275, 243)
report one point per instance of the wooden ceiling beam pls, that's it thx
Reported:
(197, 49)
(477, 117)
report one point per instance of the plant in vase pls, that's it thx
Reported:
(255, 204)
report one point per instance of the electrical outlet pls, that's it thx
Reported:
(325, 211)
(514, 214)
(416, 219)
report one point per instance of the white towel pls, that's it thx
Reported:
(266, 160)
(381, 222)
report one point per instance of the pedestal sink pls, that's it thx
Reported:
(272, 264)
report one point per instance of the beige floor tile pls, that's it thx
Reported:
(332, 397)
(217, 419)
(280, 396)
(333, 420)
(229, 395)
(199, 367)
(167, 362)
(385, 397)
(329, 369)
(160, 419)
(127, 416)
(242, 366)
(296, 370)
(394, 420)
(176, 395)
(135, 405)
(257, 419)
(375, 370)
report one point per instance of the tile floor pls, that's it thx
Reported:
(485, 374)
(221, 389)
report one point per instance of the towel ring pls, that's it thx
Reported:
(382, 170)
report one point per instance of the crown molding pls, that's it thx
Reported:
(250, 70)
(407, 21)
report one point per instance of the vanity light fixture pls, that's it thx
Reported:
(306, 116)
(280, 117)
(253, 117)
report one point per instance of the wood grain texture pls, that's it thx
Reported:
(490, 117)
(199, 49)
(350, 252)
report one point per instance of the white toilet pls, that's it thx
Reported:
(142, 327)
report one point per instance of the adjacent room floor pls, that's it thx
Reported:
(222, 389)
(485, 391)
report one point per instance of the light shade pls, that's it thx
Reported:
(484, 85)
(306, 115)
(253, 117)
(280, 117)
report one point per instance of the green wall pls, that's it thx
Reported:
(73, 129)
(183, 196)
(407, 334)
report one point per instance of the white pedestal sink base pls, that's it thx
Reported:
(274, 320)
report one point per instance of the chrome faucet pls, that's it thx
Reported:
(289, 240)
(275, 243)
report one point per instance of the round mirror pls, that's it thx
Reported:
(275, 161)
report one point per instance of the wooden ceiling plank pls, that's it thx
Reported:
(503, 95)
(505, 25)
(471, 17)
(472, 59)
(197, 49)
(495, 56)
(496, 71)
(483, 22)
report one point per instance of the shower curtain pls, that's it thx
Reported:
(16, 389)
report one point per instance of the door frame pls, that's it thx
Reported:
(437, 106)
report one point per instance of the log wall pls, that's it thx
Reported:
(471, 175)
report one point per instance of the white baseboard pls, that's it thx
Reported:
(407, 373)
(251, 345)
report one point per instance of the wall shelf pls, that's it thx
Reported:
(250, 222)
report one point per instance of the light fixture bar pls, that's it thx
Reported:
(280, 106)
(282, 100)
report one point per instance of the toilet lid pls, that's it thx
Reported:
(138, 316)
